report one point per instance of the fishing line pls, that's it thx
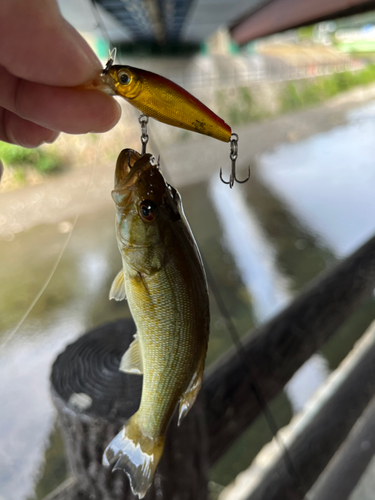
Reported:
(58, 260)
(246, 363)
(100, 23)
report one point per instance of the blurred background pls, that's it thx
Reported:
(298, 86)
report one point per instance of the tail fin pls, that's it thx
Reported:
(136, 454)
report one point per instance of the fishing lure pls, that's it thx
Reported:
(162, 99)
(167, 102)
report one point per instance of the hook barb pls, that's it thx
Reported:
(245, 180)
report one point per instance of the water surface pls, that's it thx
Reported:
(308, 205)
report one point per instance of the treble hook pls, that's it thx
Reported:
(143, 120)
(233, 156)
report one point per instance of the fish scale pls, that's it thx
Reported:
(162, 319)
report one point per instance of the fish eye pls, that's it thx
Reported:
(124, 79)
(148, 210)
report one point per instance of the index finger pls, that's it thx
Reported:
(40, 46)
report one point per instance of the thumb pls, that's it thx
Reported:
(39, 45)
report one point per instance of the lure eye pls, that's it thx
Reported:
(148, 210)
(124, 79)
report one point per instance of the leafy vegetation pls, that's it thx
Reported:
(240, 108)
(16, 156)
(309, 92)
(246, 104)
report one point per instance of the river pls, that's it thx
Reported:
(308, 204)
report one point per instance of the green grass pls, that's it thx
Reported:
(239, 109)
(240, 106)
(309, 92)
(16, 156)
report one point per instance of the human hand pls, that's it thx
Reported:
(42, 58)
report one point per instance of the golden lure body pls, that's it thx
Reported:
(162, 99)
(165, 285)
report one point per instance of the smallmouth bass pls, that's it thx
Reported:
(165, 285)
(162, 99)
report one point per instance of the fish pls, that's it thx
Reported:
(160, 98)
(163, 279)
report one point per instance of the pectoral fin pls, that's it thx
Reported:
(117, 291)
(131, 361)
(191, 393)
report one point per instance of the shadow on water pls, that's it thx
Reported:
(295, 245)
(298, 256)
(208, 234)
(301, 255)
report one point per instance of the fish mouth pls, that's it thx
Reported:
(125, 162)
(130, 168)
(129, 176)
(144, 163)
